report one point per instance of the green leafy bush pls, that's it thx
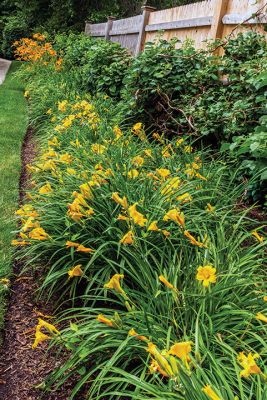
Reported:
(251, 149)
(160, 78)
(15, 27)
(105, 66)
(182, 90)
(73, 47)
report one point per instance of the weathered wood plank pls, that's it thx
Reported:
(235, 19)
(185, 23)
(220, 9)
(128, 31)
(142, 28)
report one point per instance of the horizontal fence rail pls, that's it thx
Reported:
(202, 21)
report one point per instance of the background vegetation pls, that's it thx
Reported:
(17, 18)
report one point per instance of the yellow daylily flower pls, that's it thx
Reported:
(181, 350)
(210, 393)
(166, 153)
(86, 191)
(16, 242)
(122, 217)
(179, 142)
(188, 149)
(53, 142)
(166, 233)
(148, 152)
(27, 210)
(163, 172)
(210, 208)
(175, 215)
(5, 282)
(39, 338)
(206, 274)
(257, 236)
(46, 189)
(133, 333)
(249, 364)
(193, 240)
(158, 137)
(89, 212)
(66, 158)
(51, 328)
(261, 317)
(79, 197)
(167, 283)
(71, 244)
(161, 360)
(98, 148)
(171, 186)
(137, 127)
(138, 130)
(136, 216)
(71, 171)
(198, 175)
(38, 234)
(114, 283)
(184, 198)
(84, 249)
(101, 318)
(117, 131)
(122, 201)
(62, 105)
(75, 271)
(128, 238)
(30, 224)
(133, 173)
(138, 161)
(155, 367)
(153, 226)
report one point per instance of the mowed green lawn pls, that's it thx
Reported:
(13, 124)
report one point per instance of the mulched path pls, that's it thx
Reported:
(22, 368)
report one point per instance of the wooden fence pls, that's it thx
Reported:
(200, 22)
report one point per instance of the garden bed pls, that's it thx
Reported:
(140, 235)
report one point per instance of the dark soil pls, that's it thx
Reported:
(22, 368)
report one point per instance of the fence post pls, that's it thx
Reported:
(109, 27)
(87, 28)
(220, 9)
(142, 31)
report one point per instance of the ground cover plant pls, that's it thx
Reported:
(142, 236)
(12, 103)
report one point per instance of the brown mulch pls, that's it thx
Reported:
(22, 368)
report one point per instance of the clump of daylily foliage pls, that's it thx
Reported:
(145, 236)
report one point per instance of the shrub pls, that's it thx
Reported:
(105, 66)
(158, 80)
(73, 47)
(15, 28)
